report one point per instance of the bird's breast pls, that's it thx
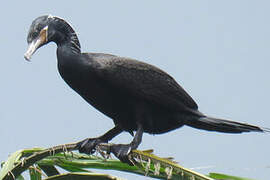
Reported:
(90, 87)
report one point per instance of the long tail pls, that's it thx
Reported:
(221, 125)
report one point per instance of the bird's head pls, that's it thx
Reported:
(37, 35)
(45, 29)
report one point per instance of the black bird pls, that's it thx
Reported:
(135, 95)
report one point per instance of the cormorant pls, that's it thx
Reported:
(137, 96)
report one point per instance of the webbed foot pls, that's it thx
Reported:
(88, 146)
(121, 151)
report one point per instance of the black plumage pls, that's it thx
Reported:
(135, 95)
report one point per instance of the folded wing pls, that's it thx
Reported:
(145, 82)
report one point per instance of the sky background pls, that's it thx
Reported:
(217, 50)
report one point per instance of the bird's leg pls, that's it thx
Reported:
(88, 146)
(121, 151)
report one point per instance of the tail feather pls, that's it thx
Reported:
(222, 125)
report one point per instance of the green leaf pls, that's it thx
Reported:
(35, 173)
(78, 163)
(71, 168)
(30, 159)
(226, 177)
(83, 176)
(20, 177)
(167, 168)
(49, 170)
(10, 163)
(47, 160)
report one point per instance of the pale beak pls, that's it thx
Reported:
(36, 43)
(32, 47)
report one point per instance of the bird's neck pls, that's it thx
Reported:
(65, 36)
(67, 53)
(70, 43)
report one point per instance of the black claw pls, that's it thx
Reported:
(121, 151)
(88, 146)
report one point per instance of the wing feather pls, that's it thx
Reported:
(144, 81)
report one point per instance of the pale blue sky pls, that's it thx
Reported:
(217, 50)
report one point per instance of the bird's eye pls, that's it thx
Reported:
(35, 34)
